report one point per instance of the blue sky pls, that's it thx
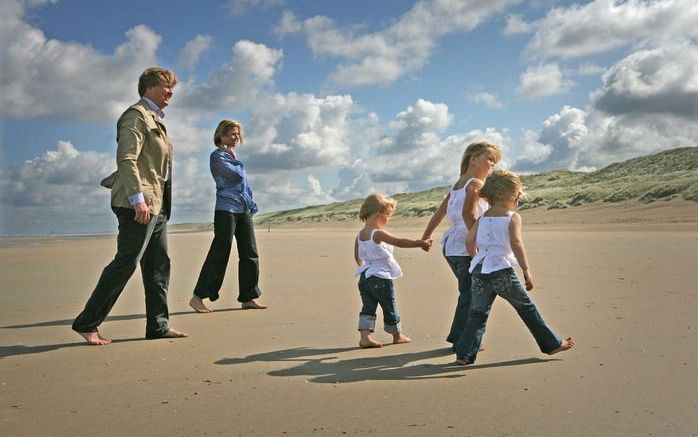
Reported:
(338, 99)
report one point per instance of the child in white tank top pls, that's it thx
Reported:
(462, 206)
(377, 267)
(496, 246)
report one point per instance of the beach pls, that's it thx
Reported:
(623, 285)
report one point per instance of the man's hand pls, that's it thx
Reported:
(142, 213)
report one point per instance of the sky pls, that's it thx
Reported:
(338, 99)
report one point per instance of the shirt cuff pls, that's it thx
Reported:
(136, 198)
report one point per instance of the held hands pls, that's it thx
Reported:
(528, 280)
(142, 213)
(425, 244)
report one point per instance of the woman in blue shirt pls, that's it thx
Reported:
(233, 217)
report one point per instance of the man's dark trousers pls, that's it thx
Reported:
(135, 242)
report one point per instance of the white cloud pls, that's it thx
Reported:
(405, 46)
(237, 84)
(543, 80)
(285, 191)
(32, 65)
(58, 189)
(647, 103)
(297, 131)
(193, 50)
(661, 81)
(516, 26)
(602, 25)
(415, 157)
(488, 99)
(589, 69)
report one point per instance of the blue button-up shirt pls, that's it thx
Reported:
(233, 192)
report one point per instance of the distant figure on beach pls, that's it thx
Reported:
(232, 218)
(373, 252)
(496, 246)
(141, 200)
(462, 206)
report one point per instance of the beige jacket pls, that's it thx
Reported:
(143, 158)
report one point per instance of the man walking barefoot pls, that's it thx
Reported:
(141, 200)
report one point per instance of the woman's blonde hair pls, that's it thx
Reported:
(477, 149)
(223, 128)
(500, 183)
(155, 76)
(376, 204)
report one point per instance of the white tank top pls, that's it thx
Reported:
(378, 259)
(453, 242)
(494, 248)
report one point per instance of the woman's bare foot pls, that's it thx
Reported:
(252, 305)
(93, 338)
(400, 338)
(172, 333)
(198, 304)
(567, 343)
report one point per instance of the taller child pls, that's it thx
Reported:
(462, 206)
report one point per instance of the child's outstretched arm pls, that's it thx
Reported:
(470, 204)
(383, 235)
(519, 250)
(471, 240)
(359, 261)
(439, 215)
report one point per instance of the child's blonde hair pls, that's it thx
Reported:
(500, 183)
(376, 204)
(477, 149)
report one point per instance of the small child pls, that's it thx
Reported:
(496, 246)
(373, 252)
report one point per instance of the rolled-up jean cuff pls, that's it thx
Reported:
(392, 329)
(367, 322)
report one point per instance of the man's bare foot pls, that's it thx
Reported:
(198, 304)
(401, 338)
(252, 305)
(368, 343)
(567, 343)
(171, 333)
(462, 362)
(93, 338)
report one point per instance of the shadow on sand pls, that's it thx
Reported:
(69, 322)
(9, 351)
(330, 370)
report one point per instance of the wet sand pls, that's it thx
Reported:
(625, 289)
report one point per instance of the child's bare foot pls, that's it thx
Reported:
(198, 304)
(567, 343)
(369, 343)
(93, 338)
(171, 333)
(252, 305)
(400, 338)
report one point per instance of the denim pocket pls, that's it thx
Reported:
(374, 283)
(502, 285)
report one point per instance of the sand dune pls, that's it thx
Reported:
(625, 291)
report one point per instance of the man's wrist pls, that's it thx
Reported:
(136, 198)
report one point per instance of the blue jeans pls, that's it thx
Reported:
(504, 283)
(460, 266)
(378, 291)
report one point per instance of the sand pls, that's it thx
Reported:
(624, 288)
